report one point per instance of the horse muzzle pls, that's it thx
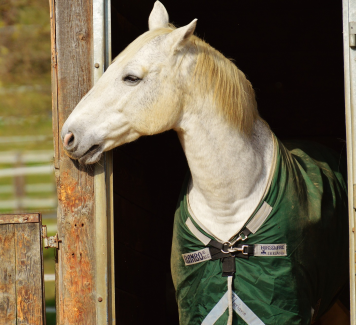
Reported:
(82, 150)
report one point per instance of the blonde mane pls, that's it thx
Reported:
(232, 92)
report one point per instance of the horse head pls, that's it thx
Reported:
(141, 93)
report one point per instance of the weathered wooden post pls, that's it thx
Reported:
(84, 265)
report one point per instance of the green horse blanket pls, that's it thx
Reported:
(295, 258)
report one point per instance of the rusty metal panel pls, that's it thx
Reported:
(21, 271)
(72, 78)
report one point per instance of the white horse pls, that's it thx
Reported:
(170, 79)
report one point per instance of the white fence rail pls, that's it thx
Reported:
(21, 139)
(10, 157)
(28, 203)
(29, 188)
(19, 171)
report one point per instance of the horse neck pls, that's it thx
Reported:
(229, 170)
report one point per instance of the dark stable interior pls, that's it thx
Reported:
(291, 51)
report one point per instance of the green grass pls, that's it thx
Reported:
(38, 125)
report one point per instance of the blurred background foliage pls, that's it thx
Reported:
(25, 68)
(25, 111)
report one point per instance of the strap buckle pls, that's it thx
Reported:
(231, 249)
(239, 249)
(229, 245)
(242, 237)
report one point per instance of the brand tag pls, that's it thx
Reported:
(270, 250)
(197, 256)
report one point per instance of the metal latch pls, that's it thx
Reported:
(51, 241)
(352, 33)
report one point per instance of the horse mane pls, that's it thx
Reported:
(232, 92)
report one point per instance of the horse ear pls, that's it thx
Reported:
(158, 17)
(180, 36)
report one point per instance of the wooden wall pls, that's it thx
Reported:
(72, 78)
(21, 270)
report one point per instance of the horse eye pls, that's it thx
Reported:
(131, 79)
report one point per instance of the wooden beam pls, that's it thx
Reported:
(72, 78)
(29, 274)
(21, 271)
(19, 218)
(7, 275)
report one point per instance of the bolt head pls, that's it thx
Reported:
(100, 299)
(97, 65)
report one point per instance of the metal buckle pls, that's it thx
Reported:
(238, 249)
(228, 250)
(234, 249)
(241, 237)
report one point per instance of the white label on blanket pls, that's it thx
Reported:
(270, 250)
(197, 256)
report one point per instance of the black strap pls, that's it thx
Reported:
(246, 232)
(217, 252)
(228, 266)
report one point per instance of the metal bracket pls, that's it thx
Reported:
(51, 241)
(352, 33)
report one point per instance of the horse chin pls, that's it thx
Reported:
(92, 156)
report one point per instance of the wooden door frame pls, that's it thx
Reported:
(80, 38)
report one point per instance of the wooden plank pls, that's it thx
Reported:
(7, 275)
(54, 77)
(72, 43)
(29, 277)
(19, 218)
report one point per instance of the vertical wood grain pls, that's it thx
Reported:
(73, 77)
(28, 248)
(7, 275)
(54, 77)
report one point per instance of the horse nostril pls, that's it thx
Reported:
(68, 139)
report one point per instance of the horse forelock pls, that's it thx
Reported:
(132, 49)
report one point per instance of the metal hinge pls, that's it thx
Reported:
(51, 241)
(352, 33)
